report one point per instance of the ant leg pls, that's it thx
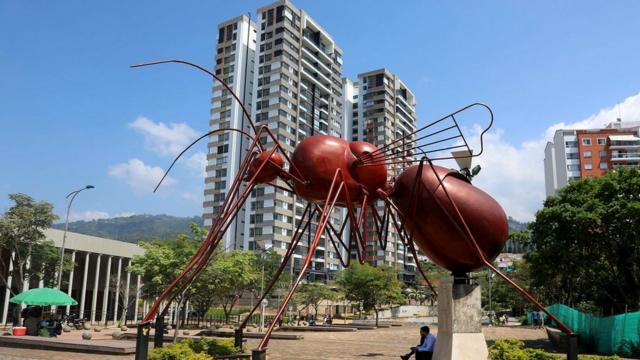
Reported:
(230, 208)
(409, 243)
(301, 228)
(334, 192)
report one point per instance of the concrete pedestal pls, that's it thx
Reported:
(459, 328)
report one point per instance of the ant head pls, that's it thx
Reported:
(265, 166)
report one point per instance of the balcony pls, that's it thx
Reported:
(625, 156)
(313, 56)
(624, 142)
(306, 38)
(315, 79)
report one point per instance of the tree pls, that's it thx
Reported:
(312, 294)
(124, 301)
(370, 286)
(230, 275)
(586, 248)
(270, 261)
(503, 296)
(22, 236)
(162, 261)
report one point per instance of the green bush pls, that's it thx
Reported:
(178, 351)
(512, 349)
(215, 347)
(195, 350)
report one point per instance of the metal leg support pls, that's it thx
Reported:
(259, 354)
(237, 337)
(572, 349)
(158, 338)
(142, 341)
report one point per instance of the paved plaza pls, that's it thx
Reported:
(386, 343)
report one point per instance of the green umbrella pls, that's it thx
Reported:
(43, 296)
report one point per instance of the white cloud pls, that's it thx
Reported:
(123, 214)
(87, 215)
(514, 174)
(192, 197)
(163, 139)
(139, 176)
(95, 215)
(198, 163)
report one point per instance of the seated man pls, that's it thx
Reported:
(424, 351)
(32, 320)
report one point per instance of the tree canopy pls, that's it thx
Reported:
(370, 286)
(231, 274)
(312, 294)
(22, 236)
(586, 247)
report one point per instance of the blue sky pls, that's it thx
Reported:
(69, 99)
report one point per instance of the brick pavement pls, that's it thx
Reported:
(375, 344)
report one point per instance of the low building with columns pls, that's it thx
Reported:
(99, 280)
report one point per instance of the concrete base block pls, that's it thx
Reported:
(461, 346)
(460, 334)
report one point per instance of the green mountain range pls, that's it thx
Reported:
(150, 227)
(134, 228)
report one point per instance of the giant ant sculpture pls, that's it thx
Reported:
(457, 225)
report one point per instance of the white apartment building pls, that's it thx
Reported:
(581, 153)
(380, 108)
(289, 70)
(235, 63)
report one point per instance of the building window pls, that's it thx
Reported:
(221, 173)
(602, 141)
(572, 156)
(586, 141)
(571, 144)
(588, 166)
(223, 149)
(573, 167)
(587, 154)
(604, 166)
(603, 154)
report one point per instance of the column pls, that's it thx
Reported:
(7, 293)
(94, 298)
(83, 293)
(105, 292)
(135, 308)
(115, 307)
(73, 261)
(186, 312)
(25, 283)
(126, 292)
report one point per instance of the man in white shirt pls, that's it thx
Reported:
(425, 350)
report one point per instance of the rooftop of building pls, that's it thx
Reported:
(612, 127)
(93, 244)
(308, 17)
(241, 18)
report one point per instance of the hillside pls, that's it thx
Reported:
(515, 225)
(134, 228)
(150, 227)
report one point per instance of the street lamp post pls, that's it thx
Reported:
(490, 281)
(264, 301)
(66, 227)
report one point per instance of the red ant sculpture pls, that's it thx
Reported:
(457, 225)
